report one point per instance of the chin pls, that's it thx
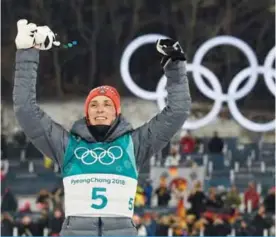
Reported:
(100, 122)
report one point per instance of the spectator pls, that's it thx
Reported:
(197, 200)
(221, 227)
(269, 201)
(208, 227)
(199, 226)
(215, 145)
(260, 222)
(9, 202)
(140, 198)
(55, 222)
(187, 143)
(42, 222)
(7, 224)
(43, 196)
(150, 223)
(213, 201)
(174, 158)
(163, 226)
(190, 221)
(26, 208)
(57, 196)
(27, 227)
(180, 228)
(141, 229)
(233, 198)
(163, 193)
(199, 145)
(43, 199)
(148, 192)
(243, 230)
(221, 193)
(252, 196)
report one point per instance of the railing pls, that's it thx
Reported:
(233, 232)
(170, 232)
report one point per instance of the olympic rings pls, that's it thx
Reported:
(215, 93)
(82, 152)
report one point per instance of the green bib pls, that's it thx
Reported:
(116, 157)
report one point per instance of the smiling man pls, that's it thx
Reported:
(101, 156)
(102, 106)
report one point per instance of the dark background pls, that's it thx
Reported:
(103, 29)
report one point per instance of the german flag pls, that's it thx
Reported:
(226, 214)
(179, 183)
(173, 171)
(181, 211)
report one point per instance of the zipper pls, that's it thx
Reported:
(100, 224)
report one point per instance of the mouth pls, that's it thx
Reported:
(100, 118)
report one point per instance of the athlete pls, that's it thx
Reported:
(100, 157)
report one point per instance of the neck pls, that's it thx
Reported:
(99, 131)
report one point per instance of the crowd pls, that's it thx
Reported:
(216, 212)
(188, 143)
(47, 215)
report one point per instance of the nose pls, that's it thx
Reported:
(100, 109)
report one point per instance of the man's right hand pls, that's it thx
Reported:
(25, 38)
(30, 35)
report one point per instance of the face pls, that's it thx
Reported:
(101, 111)
(136, 220)
(198, 185)
(234, 189)
(26, 220)
(243, 224)
(173, 151)
(190, 219)
(251, 185)
(261, 210)
(163, 183)
(57, 214)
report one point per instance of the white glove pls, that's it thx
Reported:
(25, 34)
(45, 38)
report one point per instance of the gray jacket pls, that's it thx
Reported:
(52, 139)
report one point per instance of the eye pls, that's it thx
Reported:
(93, 105)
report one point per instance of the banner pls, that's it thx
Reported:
(180, 180)
(191, 175)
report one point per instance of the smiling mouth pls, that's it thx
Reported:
(100, 118)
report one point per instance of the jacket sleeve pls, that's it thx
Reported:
(154, 135)
(46, 135)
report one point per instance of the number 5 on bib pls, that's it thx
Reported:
(130, 204)
(97, 194)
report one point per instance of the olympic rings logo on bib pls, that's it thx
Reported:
(105, 157)
(198, 71)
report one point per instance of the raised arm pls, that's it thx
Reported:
(154, 135)
(46, 135)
